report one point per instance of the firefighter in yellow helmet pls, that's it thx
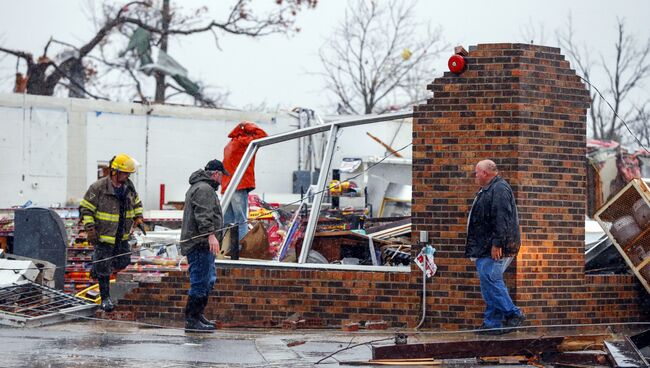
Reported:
(109, 211)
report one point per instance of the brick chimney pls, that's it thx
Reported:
(525, 108)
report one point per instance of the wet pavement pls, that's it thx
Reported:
(102, 344)
(111, 343)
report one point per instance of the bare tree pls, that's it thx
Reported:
(378, 58)
(86, 69)
(642, 125)
(625, 74)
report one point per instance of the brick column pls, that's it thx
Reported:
(523, 107)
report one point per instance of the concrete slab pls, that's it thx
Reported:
(113, 343)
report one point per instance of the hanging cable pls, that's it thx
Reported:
(615, 113)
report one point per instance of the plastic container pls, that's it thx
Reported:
(625, 229)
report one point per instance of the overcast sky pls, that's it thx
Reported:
(281, 71)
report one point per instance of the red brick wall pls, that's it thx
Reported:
(247, 294)
(523, 107)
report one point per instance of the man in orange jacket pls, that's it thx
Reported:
(240, 138)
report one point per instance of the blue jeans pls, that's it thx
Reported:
(237, 212)
(494, 291)
(203, 273)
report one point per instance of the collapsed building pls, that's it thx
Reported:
(519, 105)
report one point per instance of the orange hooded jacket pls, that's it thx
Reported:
(240, 137)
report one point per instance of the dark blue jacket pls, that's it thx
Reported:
(493, 221)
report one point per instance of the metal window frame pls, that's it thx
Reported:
(326, 163)
(62, 306)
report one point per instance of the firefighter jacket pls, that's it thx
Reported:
(202, 213)
(244, 133)
(100, 209)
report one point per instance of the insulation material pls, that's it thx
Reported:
(12, 271)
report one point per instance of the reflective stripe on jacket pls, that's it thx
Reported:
(100, 209)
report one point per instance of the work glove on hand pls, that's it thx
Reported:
(91, 236)
(138, 222)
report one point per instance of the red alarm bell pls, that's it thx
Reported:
(456, 64)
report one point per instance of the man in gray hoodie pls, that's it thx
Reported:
(200, 241)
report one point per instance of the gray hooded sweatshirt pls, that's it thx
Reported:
(202, 214)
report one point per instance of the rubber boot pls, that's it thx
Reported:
(193, 317)
(202, 318)
(105, 292)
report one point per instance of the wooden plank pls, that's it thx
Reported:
(390, 225)
(468, 349)
(392, 232)
(577, 358)
(583, 342)
(394, 362)
(636, 239)
(644, 263)
(508, 359)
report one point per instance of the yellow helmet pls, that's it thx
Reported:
(123, 163)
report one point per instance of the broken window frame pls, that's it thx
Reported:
(326, 163)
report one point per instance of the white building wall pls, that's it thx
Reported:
(33, 152)
(57, 143)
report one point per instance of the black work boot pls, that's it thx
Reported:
(202, 318)
(491, 331)
(193, 317)
(515, 320)
(105, 293)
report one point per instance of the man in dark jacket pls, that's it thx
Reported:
(493, 240)
(200, 240)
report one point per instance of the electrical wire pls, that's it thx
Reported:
(353, 346)
(615, 114)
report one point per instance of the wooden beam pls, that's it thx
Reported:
(583, 342)
(468, 349)
(394, 362)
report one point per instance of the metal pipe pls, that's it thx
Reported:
(318, 197)
(283, 137)
(366, 119)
